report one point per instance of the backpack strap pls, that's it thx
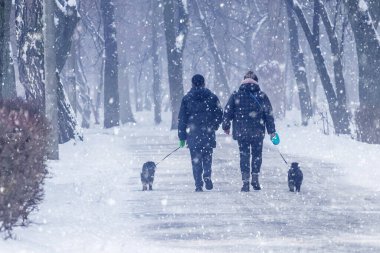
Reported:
(257, 101)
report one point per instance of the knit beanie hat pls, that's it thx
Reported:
(251, 75)
(198, 80)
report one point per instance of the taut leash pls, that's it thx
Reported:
(282, 157)
(168, 155)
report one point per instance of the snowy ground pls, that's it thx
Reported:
(94, 201)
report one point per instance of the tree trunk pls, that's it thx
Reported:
(156, 65)
(368, 51)
(67, 21)
(31, 60)
(337, 54)
(72, 82)
(31, 49)
(299, 69)
(126, 114)
(7, 73)
(51, 87)
(111, 90)
(2, 44)
(84, 89)
(175, 43)
(99, 92)
(221, 85)
(340, 119)
(9, 88)
(374, 9)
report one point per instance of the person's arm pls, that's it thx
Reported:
(182, 121)
(218, 113)
(268, 116)
(228, 115)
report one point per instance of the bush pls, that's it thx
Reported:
(23, 147)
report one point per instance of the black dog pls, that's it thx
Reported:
(147, 175)
(295, 177)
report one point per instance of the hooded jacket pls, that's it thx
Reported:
(250, 111)
(199, 117)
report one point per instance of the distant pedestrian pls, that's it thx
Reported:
(250, 111)
(199, 117)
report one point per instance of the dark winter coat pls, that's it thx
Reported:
(250, 111)
(199, 117)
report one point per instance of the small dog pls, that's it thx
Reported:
(147, 175)
(295, 177)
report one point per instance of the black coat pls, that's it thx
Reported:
(250, 111)
(199, 117)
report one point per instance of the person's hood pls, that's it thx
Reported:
(199, 93)
(249, 85)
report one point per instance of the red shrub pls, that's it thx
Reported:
(23, 145)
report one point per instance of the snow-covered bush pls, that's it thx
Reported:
(23, 145)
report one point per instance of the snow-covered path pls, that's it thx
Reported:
(94, 202)
(328, 216)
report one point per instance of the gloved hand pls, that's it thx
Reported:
(275, 138)
(182, 143)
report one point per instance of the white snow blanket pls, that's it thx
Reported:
(94, 202)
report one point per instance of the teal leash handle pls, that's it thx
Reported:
(168, 155)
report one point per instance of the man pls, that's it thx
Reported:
(199, 117)
(250, 111)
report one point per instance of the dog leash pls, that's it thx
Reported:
(282, 157)
(168, 155)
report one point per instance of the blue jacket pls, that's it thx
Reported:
(199, 117)
(250, 111)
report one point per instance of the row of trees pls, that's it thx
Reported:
(363, 18)
(319, 44)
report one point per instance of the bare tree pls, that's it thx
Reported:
(299, 69)
(156, 63)
(176, 29)
(51, 87)
(368, 51)
(7, 73)
(337, 106)
(111, 89)
(30, 49)
(220, 73)
(337, 54)
(2, 43)
(31, 57)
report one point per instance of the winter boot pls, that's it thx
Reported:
(255, 181)
(245, 187)
(145, 187)
(208, 183)
(150, 187)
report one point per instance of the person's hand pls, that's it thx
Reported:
(227, 131)
(275, 138)
(182, 143)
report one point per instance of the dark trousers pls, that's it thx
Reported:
(201, 160)
(250, 157)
